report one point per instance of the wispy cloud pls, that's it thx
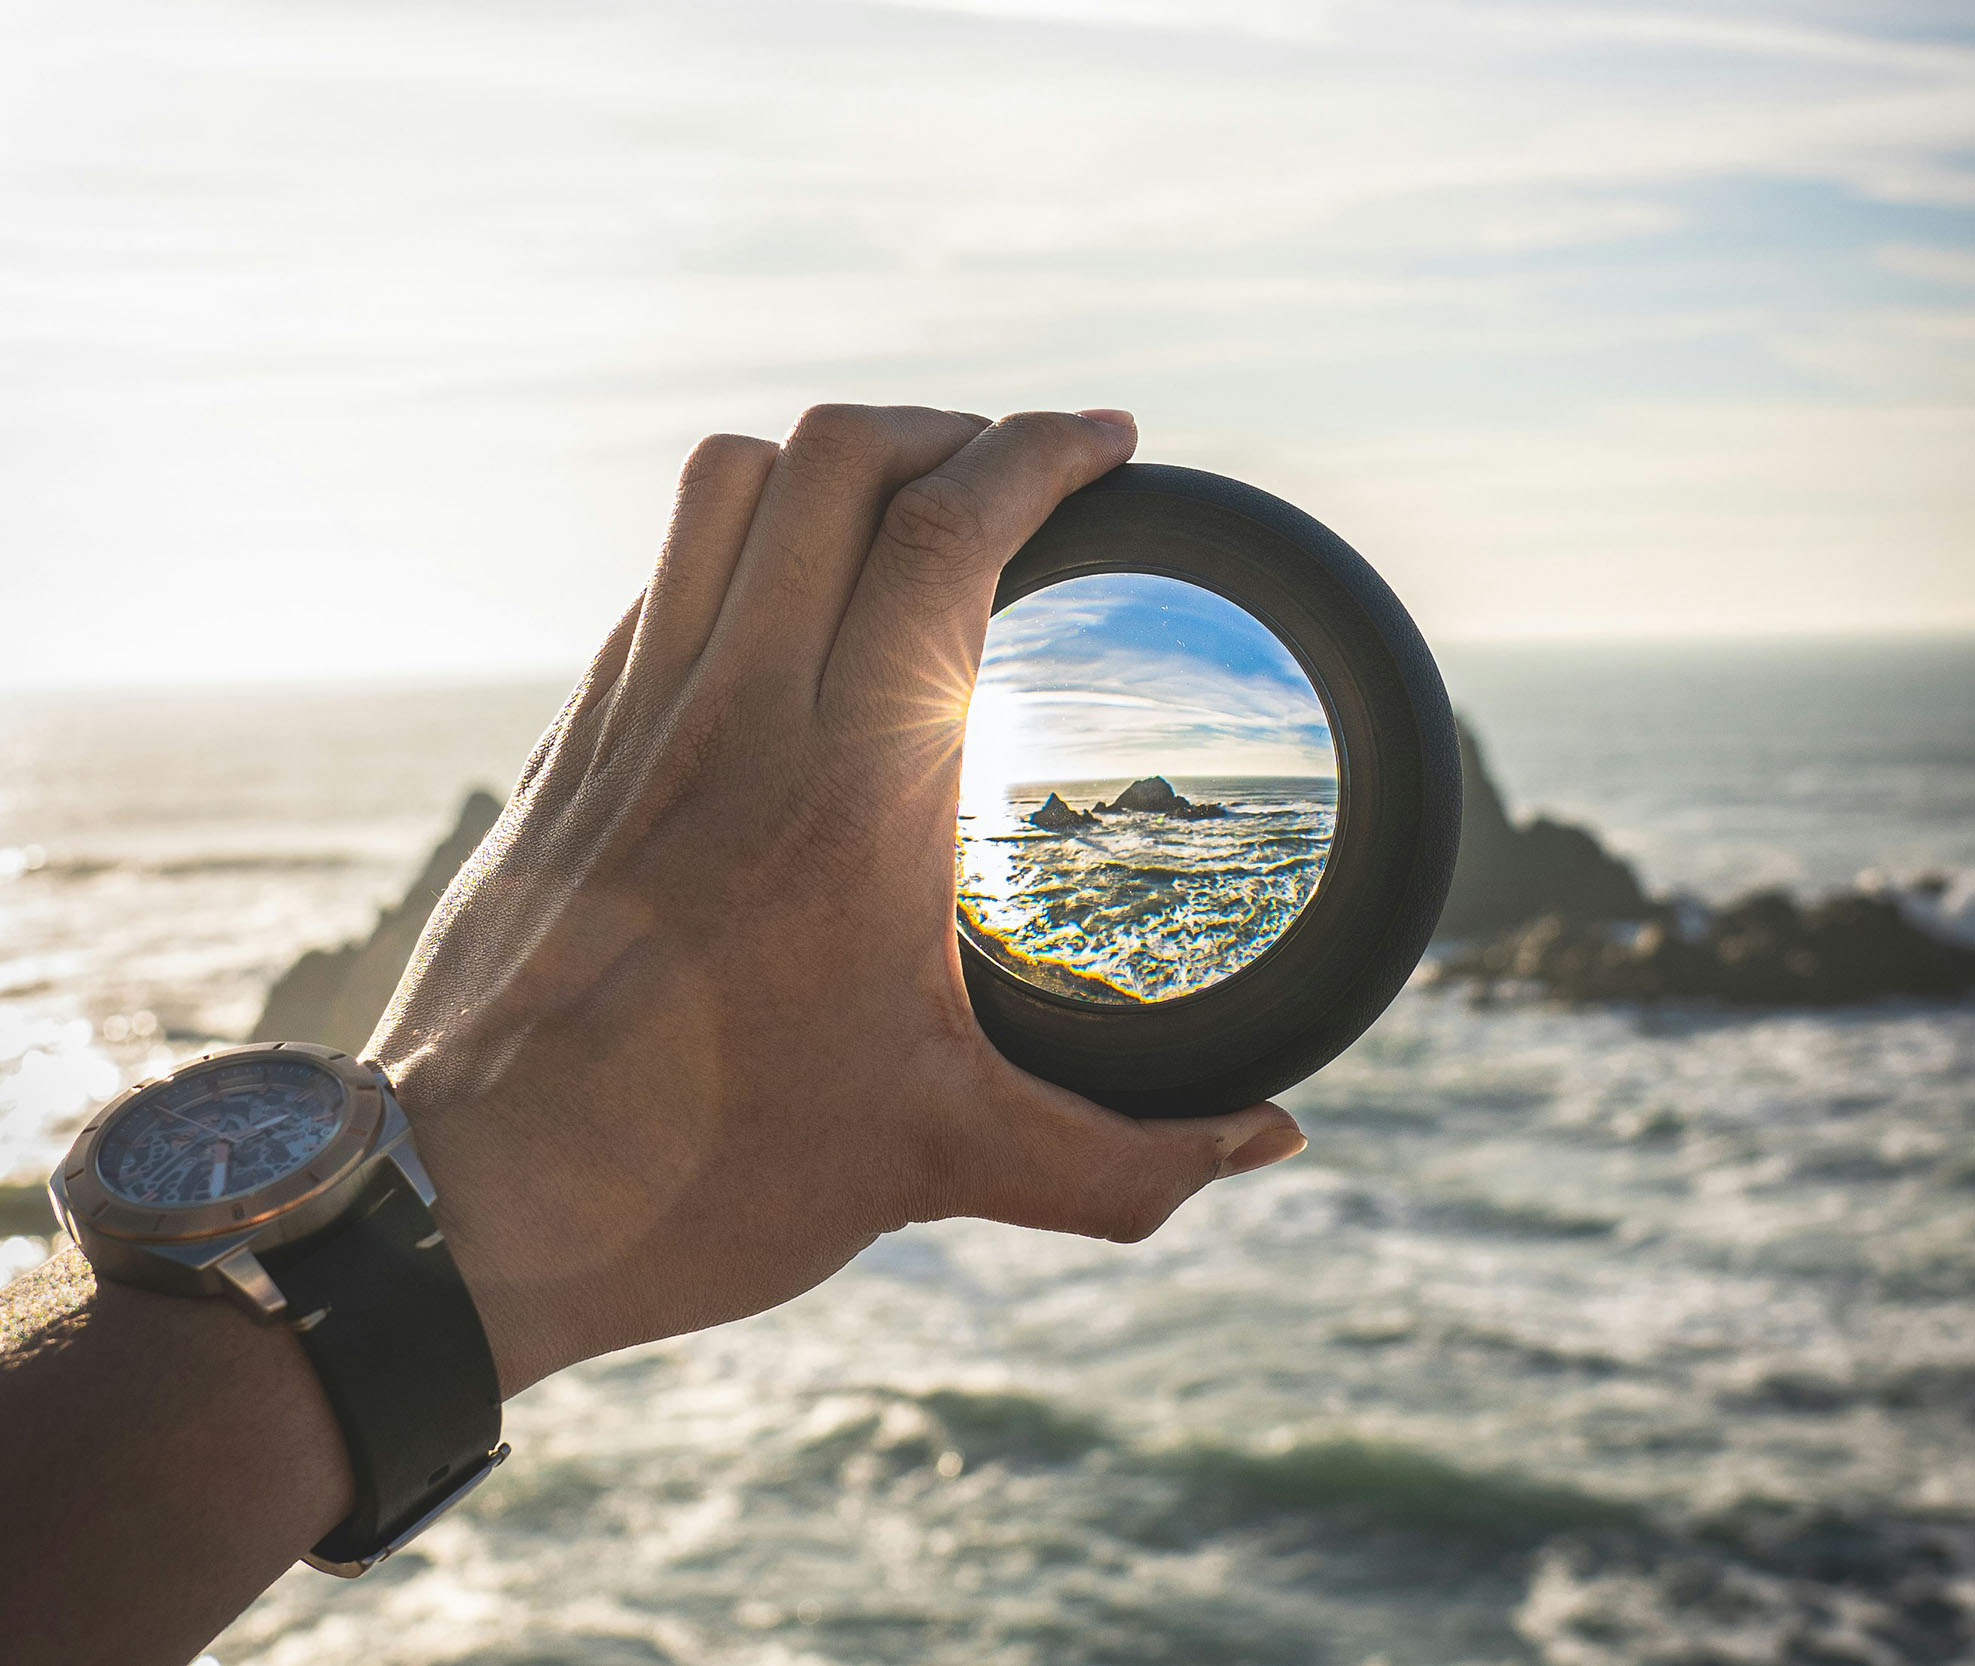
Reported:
(315, 311)
(1124, 676)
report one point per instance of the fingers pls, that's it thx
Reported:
(719, 488)
(592, 690)
(1055, 1161)
(921, 602)
(819, 511)
(861, 513)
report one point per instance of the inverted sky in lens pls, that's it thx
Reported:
(1148, 791)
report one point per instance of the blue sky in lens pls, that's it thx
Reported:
(368, 338)
(1131, 675)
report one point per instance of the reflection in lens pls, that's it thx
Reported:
(1148, 790)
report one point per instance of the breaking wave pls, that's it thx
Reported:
(1141, 906)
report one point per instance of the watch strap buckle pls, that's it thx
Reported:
(329, 1557)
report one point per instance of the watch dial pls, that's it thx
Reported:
(221, 1132)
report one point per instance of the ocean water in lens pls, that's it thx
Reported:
(1142, 906)
(1590, 1338)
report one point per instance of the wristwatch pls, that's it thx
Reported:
(284, 1177)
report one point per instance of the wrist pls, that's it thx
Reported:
(283, 1179)
(483, 1213)
(228, 1464)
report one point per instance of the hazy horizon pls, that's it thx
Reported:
(551, 678)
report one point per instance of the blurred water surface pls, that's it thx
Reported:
(1576, 1337)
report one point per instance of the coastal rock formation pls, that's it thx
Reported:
(1507, 875)
(25, 1209)
(335, 996)
(1547, 907)
(1154, 795)
(1057, 816)
(1764, 950)
(1056, 976)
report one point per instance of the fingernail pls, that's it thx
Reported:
(1272, 1145)
(1115, 419)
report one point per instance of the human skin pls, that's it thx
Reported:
(685, 1035)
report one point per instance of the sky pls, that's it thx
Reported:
(362, 338)
(1129, 675)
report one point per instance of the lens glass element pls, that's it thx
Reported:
(1148, 790)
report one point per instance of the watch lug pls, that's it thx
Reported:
(406, 1161)
(58, 1196)
(395, 1145)
(249, 1286)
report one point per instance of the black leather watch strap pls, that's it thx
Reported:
(389, 1325)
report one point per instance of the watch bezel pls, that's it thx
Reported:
(294, 1204)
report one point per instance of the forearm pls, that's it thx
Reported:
(163, 1460)
(687, 1033)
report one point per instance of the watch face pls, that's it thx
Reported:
(220, 1132)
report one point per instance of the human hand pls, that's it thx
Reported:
(689, 1031)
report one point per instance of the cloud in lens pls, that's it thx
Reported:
(1127, 675)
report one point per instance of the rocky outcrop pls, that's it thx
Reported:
(1058, 817)
(1155, 796)
(25, 1209)
(1764, 950)
(335, 996)
(1508, 875)
(1052, 975)
(1544, 906)
(1152, 796)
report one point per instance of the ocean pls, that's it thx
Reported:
(1583, 1337)
(1143, 905)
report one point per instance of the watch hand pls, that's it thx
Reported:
(203, 1127)
(222, 1156)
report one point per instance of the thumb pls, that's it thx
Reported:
(1057, 1161)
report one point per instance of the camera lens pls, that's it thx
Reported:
(1210, 797)
(1149, 790)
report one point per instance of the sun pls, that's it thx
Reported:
(996, 750)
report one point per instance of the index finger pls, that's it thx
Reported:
(921, 601)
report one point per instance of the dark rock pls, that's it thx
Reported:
(25, 1209)
(1059, 817)
(1052, 975)
(1545, 905)
(1763, 950)
(1155, 796)
(1508, 875)
(335, 996)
